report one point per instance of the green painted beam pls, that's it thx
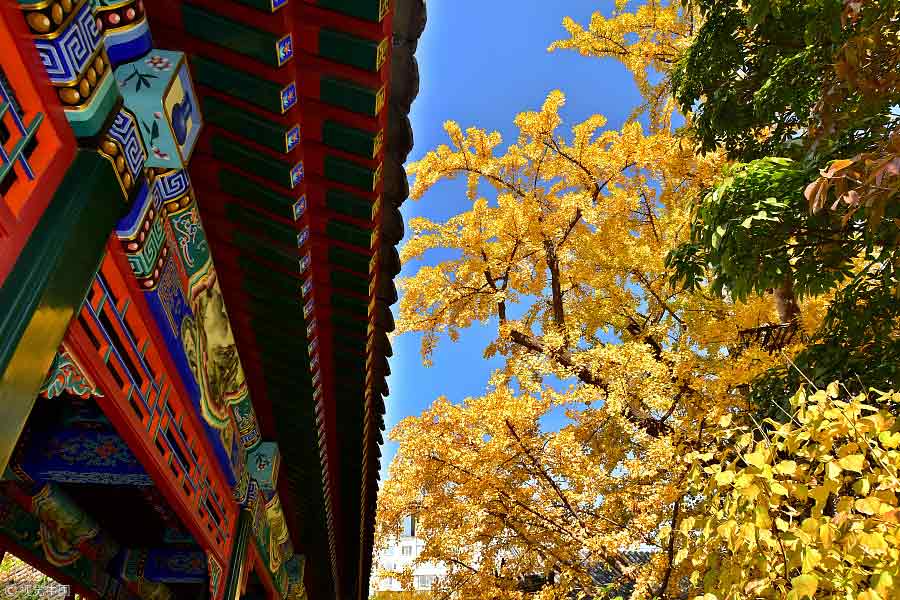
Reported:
(351, 96)
(238, 554)
(350, 173)
(267, 290)
(275, 308)
(370, 10)
(353, 306)
(253, 245)
(237, 185)
(352, 140)
(348, 49)
(284, 372)
(49, 282)
(276, 338)
(278, 231)
(290, 302)
(230, 81)
(258, 44)
(278, 348)
(268, 167)
(240, 122)
(349, 233)
(350, 204)
(265, 278)
(349, 260)
(349, 342)
(349, 326)
(352, 366)
(269, 6)
(295, 328)
(349, 281)
(284, 351)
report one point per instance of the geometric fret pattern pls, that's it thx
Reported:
(65, 56)
(125, 131)
(111, 336)
(9, 104)
(170, 185)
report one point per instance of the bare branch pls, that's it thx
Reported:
(670, 552)
(544, 474)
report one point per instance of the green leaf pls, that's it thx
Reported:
(129, 78)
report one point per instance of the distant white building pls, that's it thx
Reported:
(398, 556)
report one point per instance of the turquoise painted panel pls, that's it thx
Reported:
(264, 462)
(158, 90)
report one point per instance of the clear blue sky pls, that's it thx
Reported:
(481, 62)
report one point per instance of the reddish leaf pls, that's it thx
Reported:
(813, 194)
(837, 165)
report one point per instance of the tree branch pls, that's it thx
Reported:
(650, 289)
(584, 374)
(559, 316)
(506, 495)
(501, 305)
(670, 552)
(544, 474)
(650, 216)
(571, 226)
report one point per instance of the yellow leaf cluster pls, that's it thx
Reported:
(646, 40)
(807, 508)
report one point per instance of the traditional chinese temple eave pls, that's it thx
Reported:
(247, 156)
(353, 139)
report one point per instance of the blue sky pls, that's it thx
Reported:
(482, 62)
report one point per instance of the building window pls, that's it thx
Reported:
(406, 550)
(425, 582)
(409, 527)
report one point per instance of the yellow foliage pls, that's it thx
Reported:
(841, 540)
(573, 239)
(562, 249)
(647, 41)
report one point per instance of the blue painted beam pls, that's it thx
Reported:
(79, 446)
(164, 565)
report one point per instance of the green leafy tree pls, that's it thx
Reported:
(803, 95)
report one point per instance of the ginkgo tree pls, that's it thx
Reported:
(562, 248)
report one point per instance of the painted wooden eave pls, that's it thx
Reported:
(334, 191)
(410, 17)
